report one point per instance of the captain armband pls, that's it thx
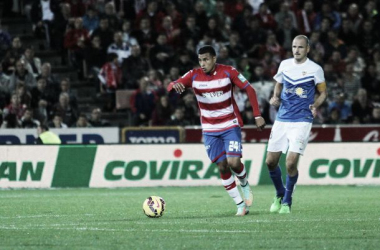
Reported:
(321, 87)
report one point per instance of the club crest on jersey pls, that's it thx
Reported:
(242, 78)
(304, 73)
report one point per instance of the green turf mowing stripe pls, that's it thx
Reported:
(74, 166)
(264, 174)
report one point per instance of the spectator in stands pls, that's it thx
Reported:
(64, 109)
(23, 94)
(178, 118)
(306, 18)
(327, 12)
(5, 41)
(110, 14)
(191, 31)
(356, 19)
(272, 45)
(362, 107)
(133, 68)
(52, 84)
(59, 26)
(96, 119)
(82, 122)
(57, 122)
(172, 33)
(175, 16)
(375, 119)
(104, 32)
(65, 88)
(213, 30)
(161, 54)
(154, 15)
(32, 63)
(126, 30)
(370, 82)
(11, 121)
(75, 41)
(4, 88)
(266, 19)
(95, 57)
(347, 34)
(27, 120)
(91, 20)
(334, 116)
(42, 15)
(240, 23)
(262, 84)
(351, 82)
(110, 75)
(184, 63)
(162, 113)
(337, 63)
(286, 33)
(224, 58)
(21, 75)
(190, 107)
(334, 43)
(235, 49)
(145, 35)
(367, 38)
(254, 37)
(143, 103)
(14, 107)
(200, 16)
(342, 106)
(334, 80)
(122, 49)
(41, 112)
(40, 92)
(356, 60)
(285, 13)
(16, 48)
(208, 40)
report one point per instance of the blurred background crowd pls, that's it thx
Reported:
(143, 45)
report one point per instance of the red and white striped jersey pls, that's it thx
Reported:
(214, 93)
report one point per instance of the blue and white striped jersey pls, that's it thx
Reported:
(299, 82)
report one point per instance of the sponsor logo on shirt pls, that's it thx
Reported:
(212, 94)
(302, 93)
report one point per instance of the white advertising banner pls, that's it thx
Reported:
(340, 164)
(164, 165)
(67, 135)
(27, 166)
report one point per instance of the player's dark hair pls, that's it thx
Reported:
(207, 49)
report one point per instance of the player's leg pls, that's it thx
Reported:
(229, 184)
(233, 147)
(217, 154)
(277, 145)
(298, 135)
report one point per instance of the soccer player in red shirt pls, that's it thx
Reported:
(221, 120)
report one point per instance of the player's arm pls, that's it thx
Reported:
(240, 81)
(322, 91)
(182, 83)
(276, 100)
(259, 120)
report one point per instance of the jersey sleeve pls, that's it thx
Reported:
(278, 77)
(187, 79)
(319, 76)
(237, 78)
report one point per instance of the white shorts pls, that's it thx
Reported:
(292, 135)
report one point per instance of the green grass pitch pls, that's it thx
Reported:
(323, 217)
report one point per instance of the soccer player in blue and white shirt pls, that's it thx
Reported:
(297, 81)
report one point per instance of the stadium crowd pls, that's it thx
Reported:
(143, 45)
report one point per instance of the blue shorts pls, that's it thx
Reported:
(220, 145)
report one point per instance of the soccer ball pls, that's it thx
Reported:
(154, 206)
